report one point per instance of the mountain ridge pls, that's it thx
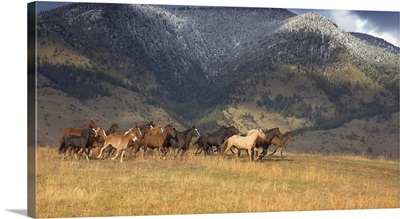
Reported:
(214, 66)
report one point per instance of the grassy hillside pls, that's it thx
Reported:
(198, 184)
(58, 111)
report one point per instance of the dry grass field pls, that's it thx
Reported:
(198, 184)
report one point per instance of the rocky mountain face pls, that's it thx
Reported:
(210, 66)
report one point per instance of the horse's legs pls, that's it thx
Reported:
(274, 151)
(226, 151)
(250, 153)
(122, 155)
(199, 150)
(101, 151)
(236, 153)
(259, 152)
(117, 154)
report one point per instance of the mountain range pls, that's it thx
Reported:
(212, 66)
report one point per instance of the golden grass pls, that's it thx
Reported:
(198, 184)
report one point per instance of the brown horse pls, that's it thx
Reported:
(146, 130)
(120, 141)
(159, 140)
(74, 131)
(280, 142)
(114, 128)
(243, 142)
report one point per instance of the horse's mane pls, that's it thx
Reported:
(251, 131)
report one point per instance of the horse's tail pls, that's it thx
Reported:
(224, 145)
(62, 144)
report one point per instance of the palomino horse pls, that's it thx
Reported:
(216, 138)
(159, 140)
(79, 142)
(182, 140)
(74, 131)
(120, 141)
(243, 142)
(280, 142)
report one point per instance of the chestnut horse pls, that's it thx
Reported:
(120, 141)
(146, 130)
(159, 140)
(74, 131)
(243, 142)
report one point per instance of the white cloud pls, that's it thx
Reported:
(351, 22)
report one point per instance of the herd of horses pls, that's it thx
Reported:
(149, 137)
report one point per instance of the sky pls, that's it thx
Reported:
(382, 24)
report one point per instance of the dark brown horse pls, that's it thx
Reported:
(114, 128)
(78, 142)
(182, 140)
(280, 142)
(74, 131)
(216, 138)
(264, 143)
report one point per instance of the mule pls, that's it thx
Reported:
(243, 142)
(182, 140)
(79, 142)
(74, 131)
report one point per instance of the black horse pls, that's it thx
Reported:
(76, 142)
(182, 140)
(216, 138)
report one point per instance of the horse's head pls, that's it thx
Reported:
(114, 128)
(137, 131)
(276, 132)
(232, 130)
(290, 136)
(100, 131)
(91, 124)
(197, 131)
(170, 131)
(156, 130)
(261, 133)
(131, 133)
(150, 124)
